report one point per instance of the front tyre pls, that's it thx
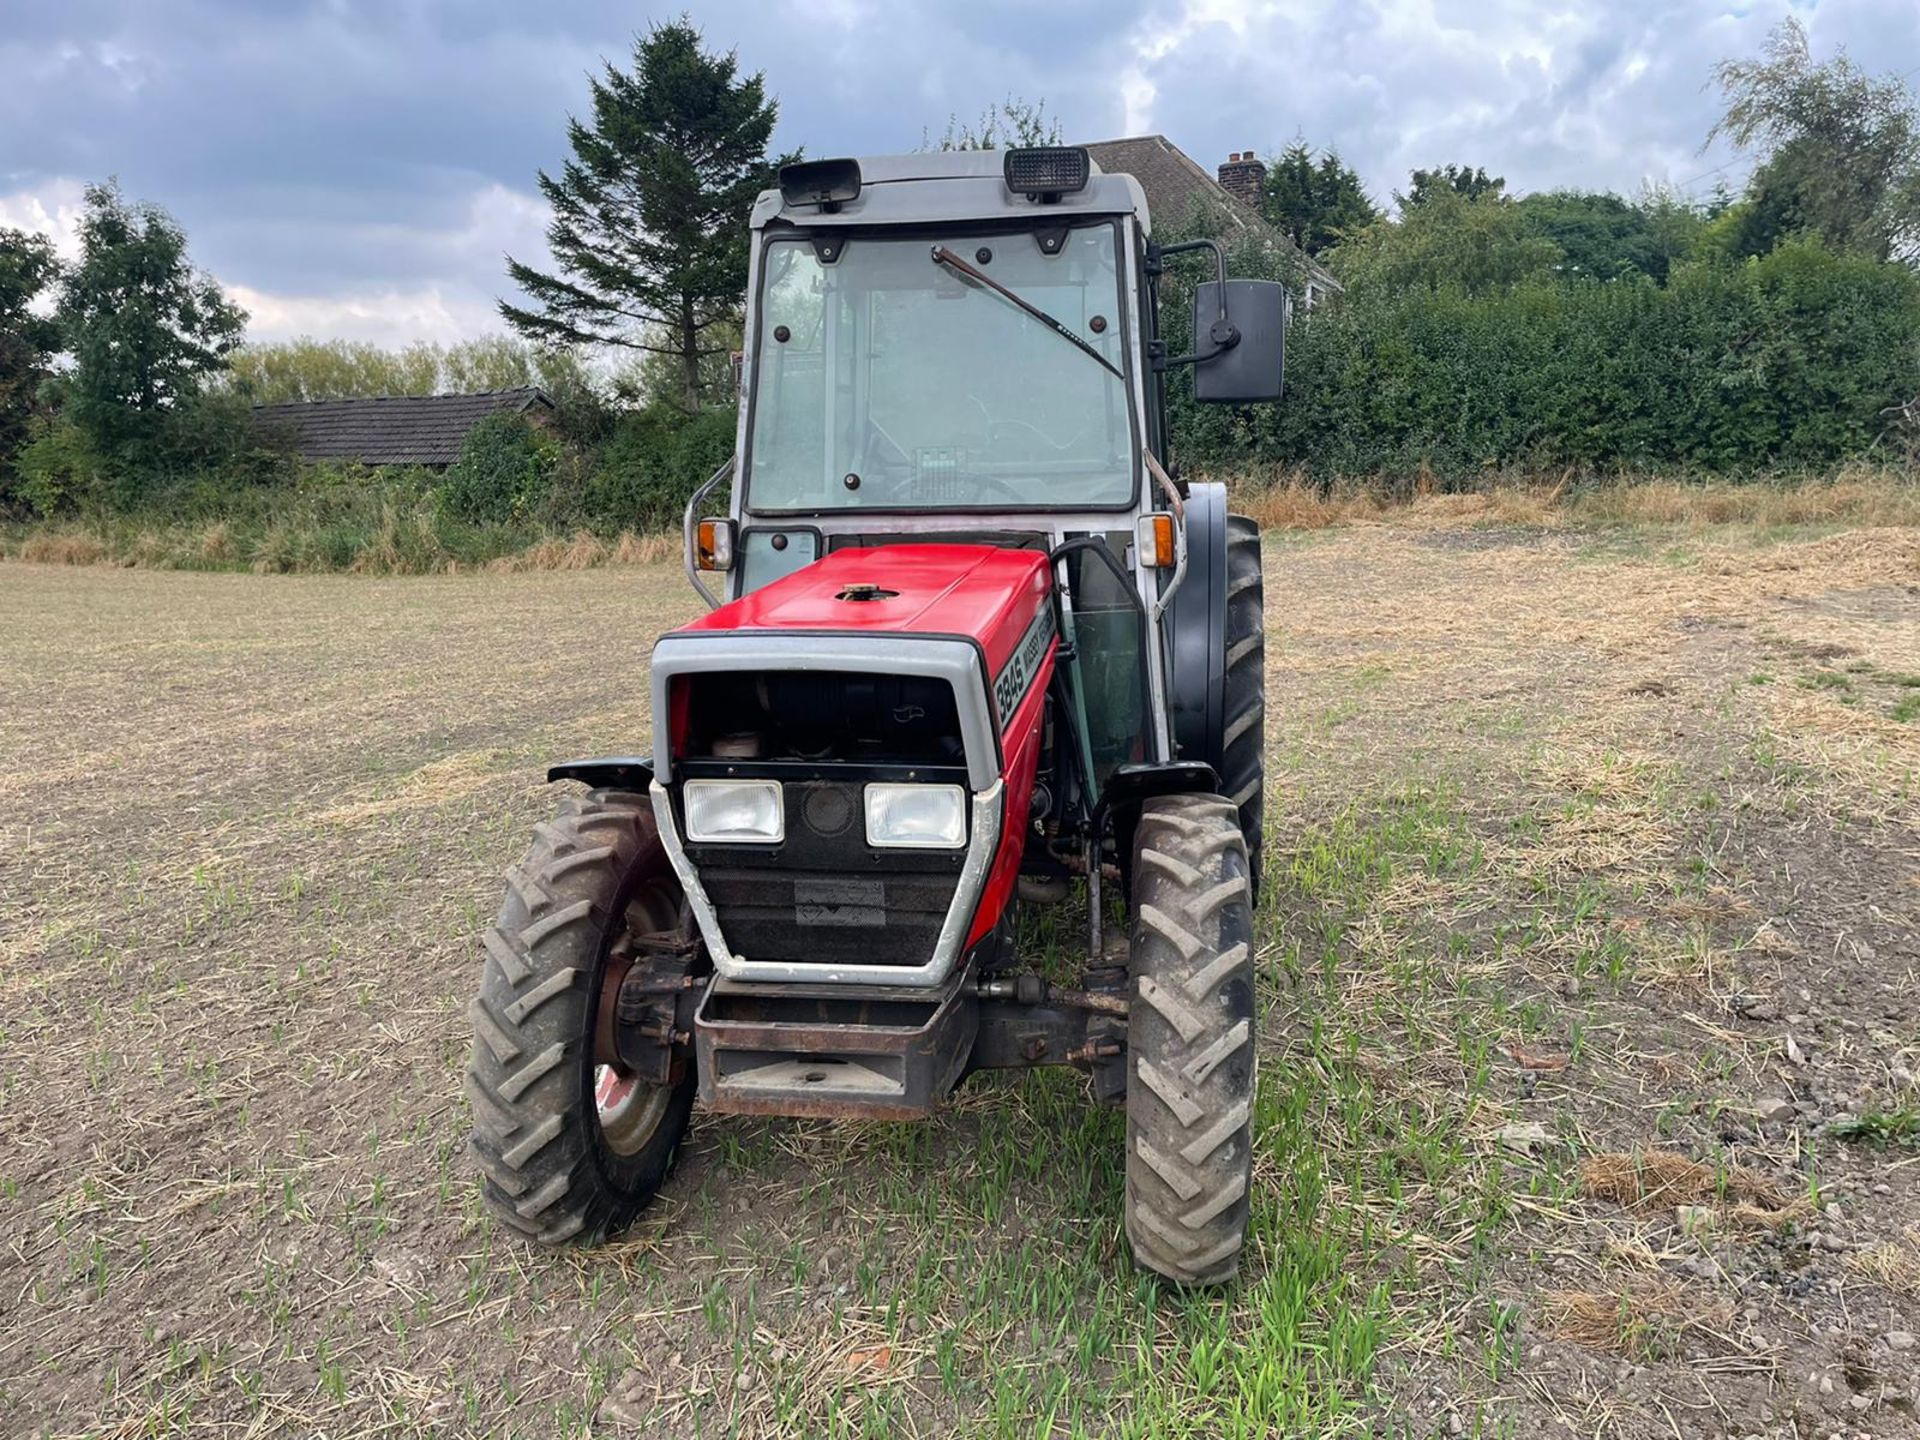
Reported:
(1190, 1041)
(570, 1147)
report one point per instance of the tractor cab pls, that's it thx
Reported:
(969, 645)
(966, 346)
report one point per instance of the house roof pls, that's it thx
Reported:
(1177, 185)
(393, 429)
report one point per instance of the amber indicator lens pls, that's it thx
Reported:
(713, 545)
(1157, 549)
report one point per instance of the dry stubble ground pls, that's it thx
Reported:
(1588, 852)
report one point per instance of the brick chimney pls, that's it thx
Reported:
(1242, 176)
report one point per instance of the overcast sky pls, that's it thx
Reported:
(359, 167)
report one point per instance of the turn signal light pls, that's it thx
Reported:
(713, 545)
(1157, 550)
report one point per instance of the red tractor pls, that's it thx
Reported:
(976, 644)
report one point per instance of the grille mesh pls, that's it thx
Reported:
(829, 916)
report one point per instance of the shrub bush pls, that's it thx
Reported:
(652, 464)
(503, 474)
(57, 471)
(212, 436)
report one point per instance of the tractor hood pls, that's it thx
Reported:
(917, 665)
(980, 593)
(977, 618)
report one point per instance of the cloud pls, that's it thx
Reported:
(361, 166)
(390, 318)
(51, 208)
(453, 274)
(1547, 92)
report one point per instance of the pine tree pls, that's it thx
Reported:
(649, 226)
(1316, 202)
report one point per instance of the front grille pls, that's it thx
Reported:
(829, 916)
(825, 896)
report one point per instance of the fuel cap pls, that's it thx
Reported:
(861, 592)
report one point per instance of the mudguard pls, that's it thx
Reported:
(1131, 786)
(1196, 631)
(610, 772)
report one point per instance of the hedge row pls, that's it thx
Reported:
(1788, 361)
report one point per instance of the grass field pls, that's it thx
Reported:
(1588, 1009)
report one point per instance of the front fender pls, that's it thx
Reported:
(1195, 631)
(1131, 786)
(611, 772)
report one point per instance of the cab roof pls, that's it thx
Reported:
(951, 186)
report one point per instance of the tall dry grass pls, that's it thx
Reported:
(1856, 496)
(584, 550)
(399, 540)
(401, 543)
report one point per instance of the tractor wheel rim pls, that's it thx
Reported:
(630, 1109)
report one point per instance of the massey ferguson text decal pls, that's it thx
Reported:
(1017, 675)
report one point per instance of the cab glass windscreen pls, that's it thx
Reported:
(883, 380)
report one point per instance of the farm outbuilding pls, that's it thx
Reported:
(395, 429)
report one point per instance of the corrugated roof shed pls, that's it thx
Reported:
(393, 429)
(1176, 185)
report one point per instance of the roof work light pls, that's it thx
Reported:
(1045, 173)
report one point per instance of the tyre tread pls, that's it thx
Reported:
(528, 1085)
(1190, 1038)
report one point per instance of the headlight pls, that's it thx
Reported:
(746, 812)
(932, 817)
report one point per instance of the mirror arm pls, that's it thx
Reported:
(1197, 357)
(1188, 247)
(688, 524)
(1224, 335)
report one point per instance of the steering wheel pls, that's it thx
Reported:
(1040, 443)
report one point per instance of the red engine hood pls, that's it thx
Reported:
(984, 593)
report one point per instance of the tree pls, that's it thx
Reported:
(1446, 242)
(1010, 124)
(1605, 237)
(1315, 201)
(1840, 150)
(28, 338)
(654, 380)
(310, 369)
(649, 223)
(144, 327)
(1474, 184)
(490, 362)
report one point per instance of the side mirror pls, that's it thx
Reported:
(1252, 367)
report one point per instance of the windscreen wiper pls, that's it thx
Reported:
(943, 256)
